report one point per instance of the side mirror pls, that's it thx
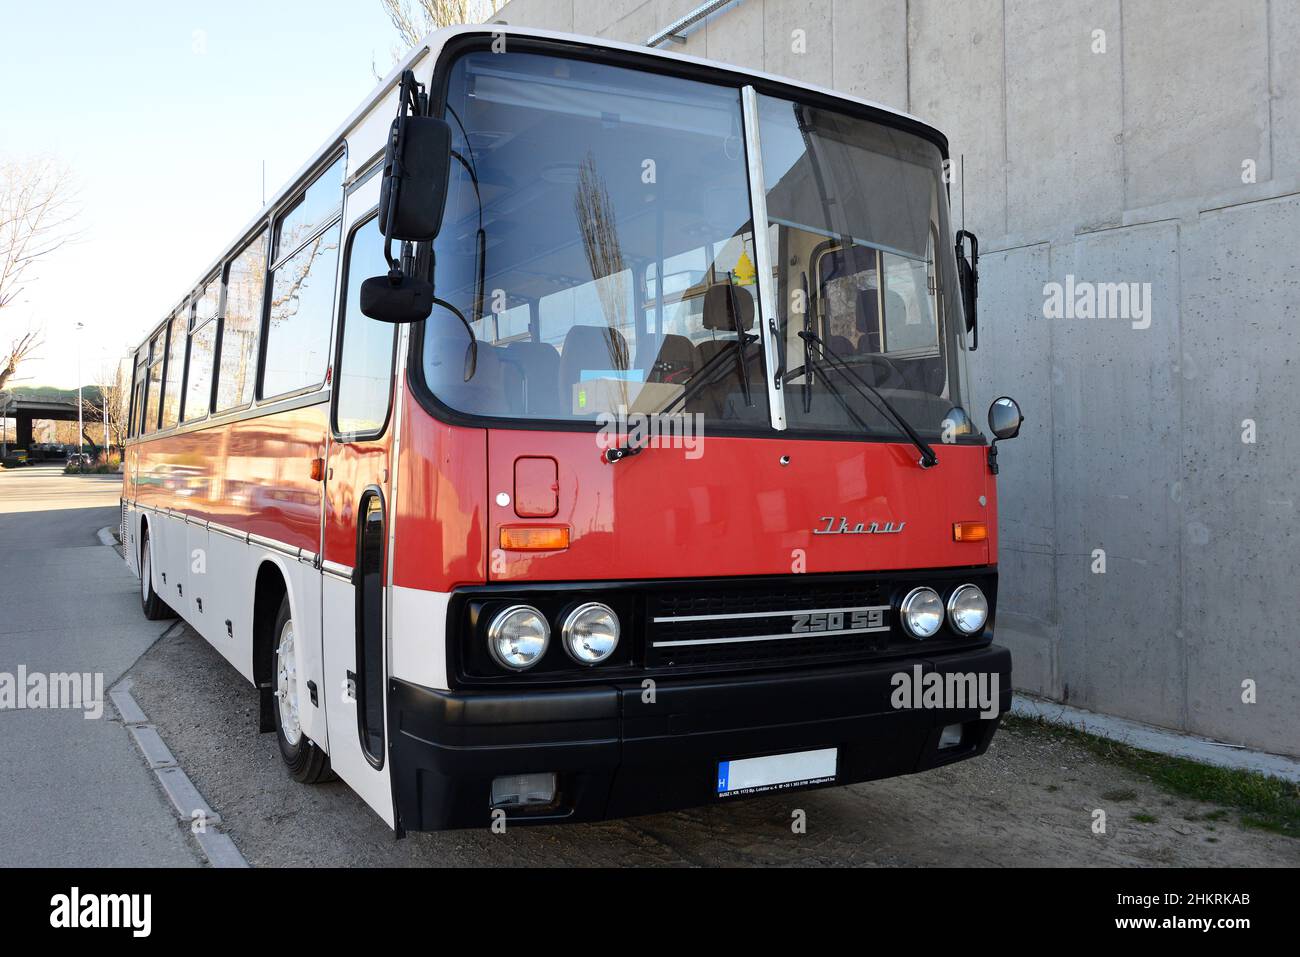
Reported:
(1005, 421)
(417, 162)
(406, 300)
(969, 277)
(1005, 418)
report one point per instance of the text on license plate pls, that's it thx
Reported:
(777, 772)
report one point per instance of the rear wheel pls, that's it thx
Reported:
(155, 609)
(306, 762)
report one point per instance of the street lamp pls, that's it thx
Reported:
(80, 427)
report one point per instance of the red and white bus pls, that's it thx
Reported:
(642, 479)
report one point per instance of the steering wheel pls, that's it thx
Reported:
(888, 376)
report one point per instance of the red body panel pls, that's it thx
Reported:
(736, 510)
(441, 509)
(253, 475)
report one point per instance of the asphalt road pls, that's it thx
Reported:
(74, 791)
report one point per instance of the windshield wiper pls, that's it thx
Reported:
(928, 458)
(812, 362)
(707, 375)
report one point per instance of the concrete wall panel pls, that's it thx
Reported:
(956, 83)
(1116, 455)
(1241, 531)
(798, 40)
(1195, 96)
(870, 50)
(1064, 134)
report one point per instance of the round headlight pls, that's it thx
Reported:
(590, 633)
(968, 610)
(922, 612)
(518, 636)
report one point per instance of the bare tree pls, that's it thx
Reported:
(37, 210)
(19, 349)
(414, 20)
(106, 403)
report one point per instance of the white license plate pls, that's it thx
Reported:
(777, 772)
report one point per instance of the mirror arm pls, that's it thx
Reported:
(993, 456)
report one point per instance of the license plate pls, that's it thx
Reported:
(777, 772)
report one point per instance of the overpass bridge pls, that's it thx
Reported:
(25, 406)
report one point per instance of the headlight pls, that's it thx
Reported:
(922, 612)
(590, 633)
(518, 636)
(968, 610)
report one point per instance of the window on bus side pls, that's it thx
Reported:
(318, 205)
(245, 284)
(174, 373)
(153, 386)
(363, 366)
(203, 341)
(298, 328)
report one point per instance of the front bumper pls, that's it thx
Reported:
(619, 754)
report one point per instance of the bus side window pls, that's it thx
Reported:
(245, 285)
(363, 361)
(203, 341)
(304, 265)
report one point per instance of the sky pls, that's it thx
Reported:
(165, 113)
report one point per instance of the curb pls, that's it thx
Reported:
(192, 810)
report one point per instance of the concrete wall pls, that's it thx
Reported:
(1117, 166)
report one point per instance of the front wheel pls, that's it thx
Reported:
(155, 609)
(306, 762)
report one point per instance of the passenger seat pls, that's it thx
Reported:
(588, 349)
(539, 366)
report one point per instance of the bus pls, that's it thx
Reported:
(580, 434)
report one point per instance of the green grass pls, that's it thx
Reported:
(1265, 803)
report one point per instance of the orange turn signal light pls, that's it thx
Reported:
(317, 470)
(970, 532)
(534, 538)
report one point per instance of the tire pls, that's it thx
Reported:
(154, 608)
(306, 762)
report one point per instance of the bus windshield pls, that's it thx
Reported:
(599, 238)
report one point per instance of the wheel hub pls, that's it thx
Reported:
(286, 685)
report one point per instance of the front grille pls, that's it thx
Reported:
(749, 625)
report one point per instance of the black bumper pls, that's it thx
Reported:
(619, 755)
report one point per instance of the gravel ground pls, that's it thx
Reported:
(1028, 801)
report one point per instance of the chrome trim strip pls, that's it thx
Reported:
(335, 570)
(772, 614)
(767, 326)
(800, 634)
(228, 532)
(292, 551)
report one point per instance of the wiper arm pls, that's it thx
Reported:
(928, 458)
(707, 375)
(812, 362)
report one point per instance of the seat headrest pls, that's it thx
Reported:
(717, 309)
(594, 347)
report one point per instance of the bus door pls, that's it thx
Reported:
(357, 507)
